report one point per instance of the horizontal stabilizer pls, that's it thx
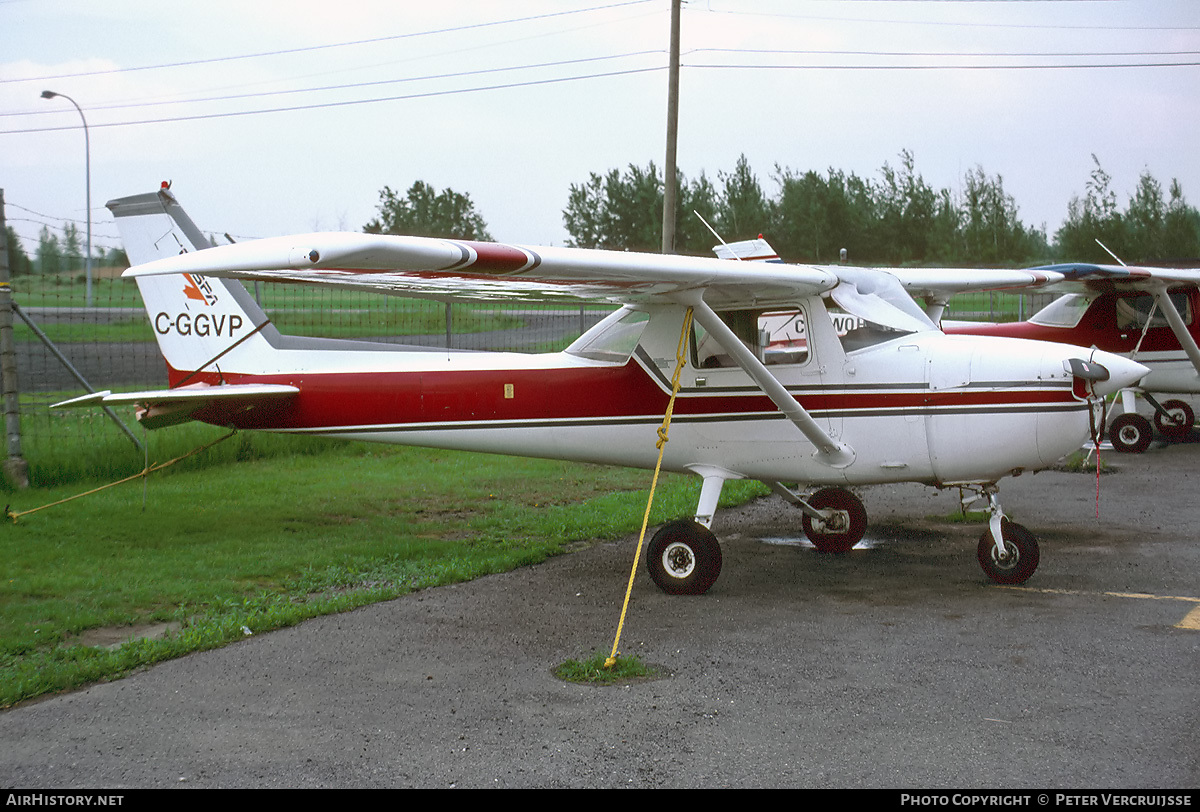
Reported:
(166, 407)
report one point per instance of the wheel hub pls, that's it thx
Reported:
(678, 560)
(838, 521)
(1007, 556)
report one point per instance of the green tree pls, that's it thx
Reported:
(617, 211)
(633, 204)
(1144, 219)
(744, 212)
(424, 212)
(72, 248)
(49, 254)
(907, 206)
(19, 263)
(1181, 227)
(1095, 217)
(803, 213)
(992, 232)
(697, 197)
(114, 258)
(584, 215)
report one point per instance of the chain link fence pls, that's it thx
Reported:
(65, 348)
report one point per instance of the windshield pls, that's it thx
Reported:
(613, 339)
(1065, 311)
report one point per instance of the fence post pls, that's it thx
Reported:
(16, 469)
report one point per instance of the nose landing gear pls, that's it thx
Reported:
(1007, 551)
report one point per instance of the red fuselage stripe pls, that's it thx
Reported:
(328, 400)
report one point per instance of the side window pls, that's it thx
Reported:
(775, 336)
(1133, 311)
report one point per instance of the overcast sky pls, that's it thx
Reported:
(280, 117)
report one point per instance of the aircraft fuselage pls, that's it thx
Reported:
(923, 406)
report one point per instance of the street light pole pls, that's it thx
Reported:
(87, 147)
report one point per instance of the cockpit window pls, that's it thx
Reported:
(775, 336)
(614, 339)
(1065, 311)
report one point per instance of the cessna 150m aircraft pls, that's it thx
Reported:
(1144, 313)
(767, 388)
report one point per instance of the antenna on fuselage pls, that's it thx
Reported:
(1111, 254)
(715, 234)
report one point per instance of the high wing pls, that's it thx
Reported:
(459, 269)
(1063, 278)
(935, 283)
(1082, 276)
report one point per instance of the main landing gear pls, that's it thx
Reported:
(1131, 433)
(684, 557)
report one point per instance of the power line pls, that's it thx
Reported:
(346, 103)
(189, 63)
(611, 74)
(349, 86)
(1090, 66)
(956, 24)
(938, 54)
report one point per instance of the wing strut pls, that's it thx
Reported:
(829, 450)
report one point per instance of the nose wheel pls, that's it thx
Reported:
(1007, 551)
(1130, 433)
(1013, 561)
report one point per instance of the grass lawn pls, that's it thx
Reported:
(263, 535)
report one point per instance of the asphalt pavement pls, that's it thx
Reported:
(896, 665)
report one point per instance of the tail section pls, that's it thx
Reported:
(200, 322)
(154, 226)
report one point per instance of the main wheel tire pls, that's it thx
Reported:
(839, 539)
(1177, 421)
(684, 558)
(1021, 554)
(1130, 433)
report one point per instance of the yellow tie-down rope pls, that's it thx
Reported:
(145, 473)
(662, 441)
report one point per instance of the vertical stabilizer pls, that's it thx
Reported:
(200, 322)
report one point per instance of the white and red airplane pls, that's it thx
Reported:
(1147, 314)
(893, 400)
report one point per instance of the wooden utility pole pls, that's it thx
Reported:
(15, 467)
(668, 221)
